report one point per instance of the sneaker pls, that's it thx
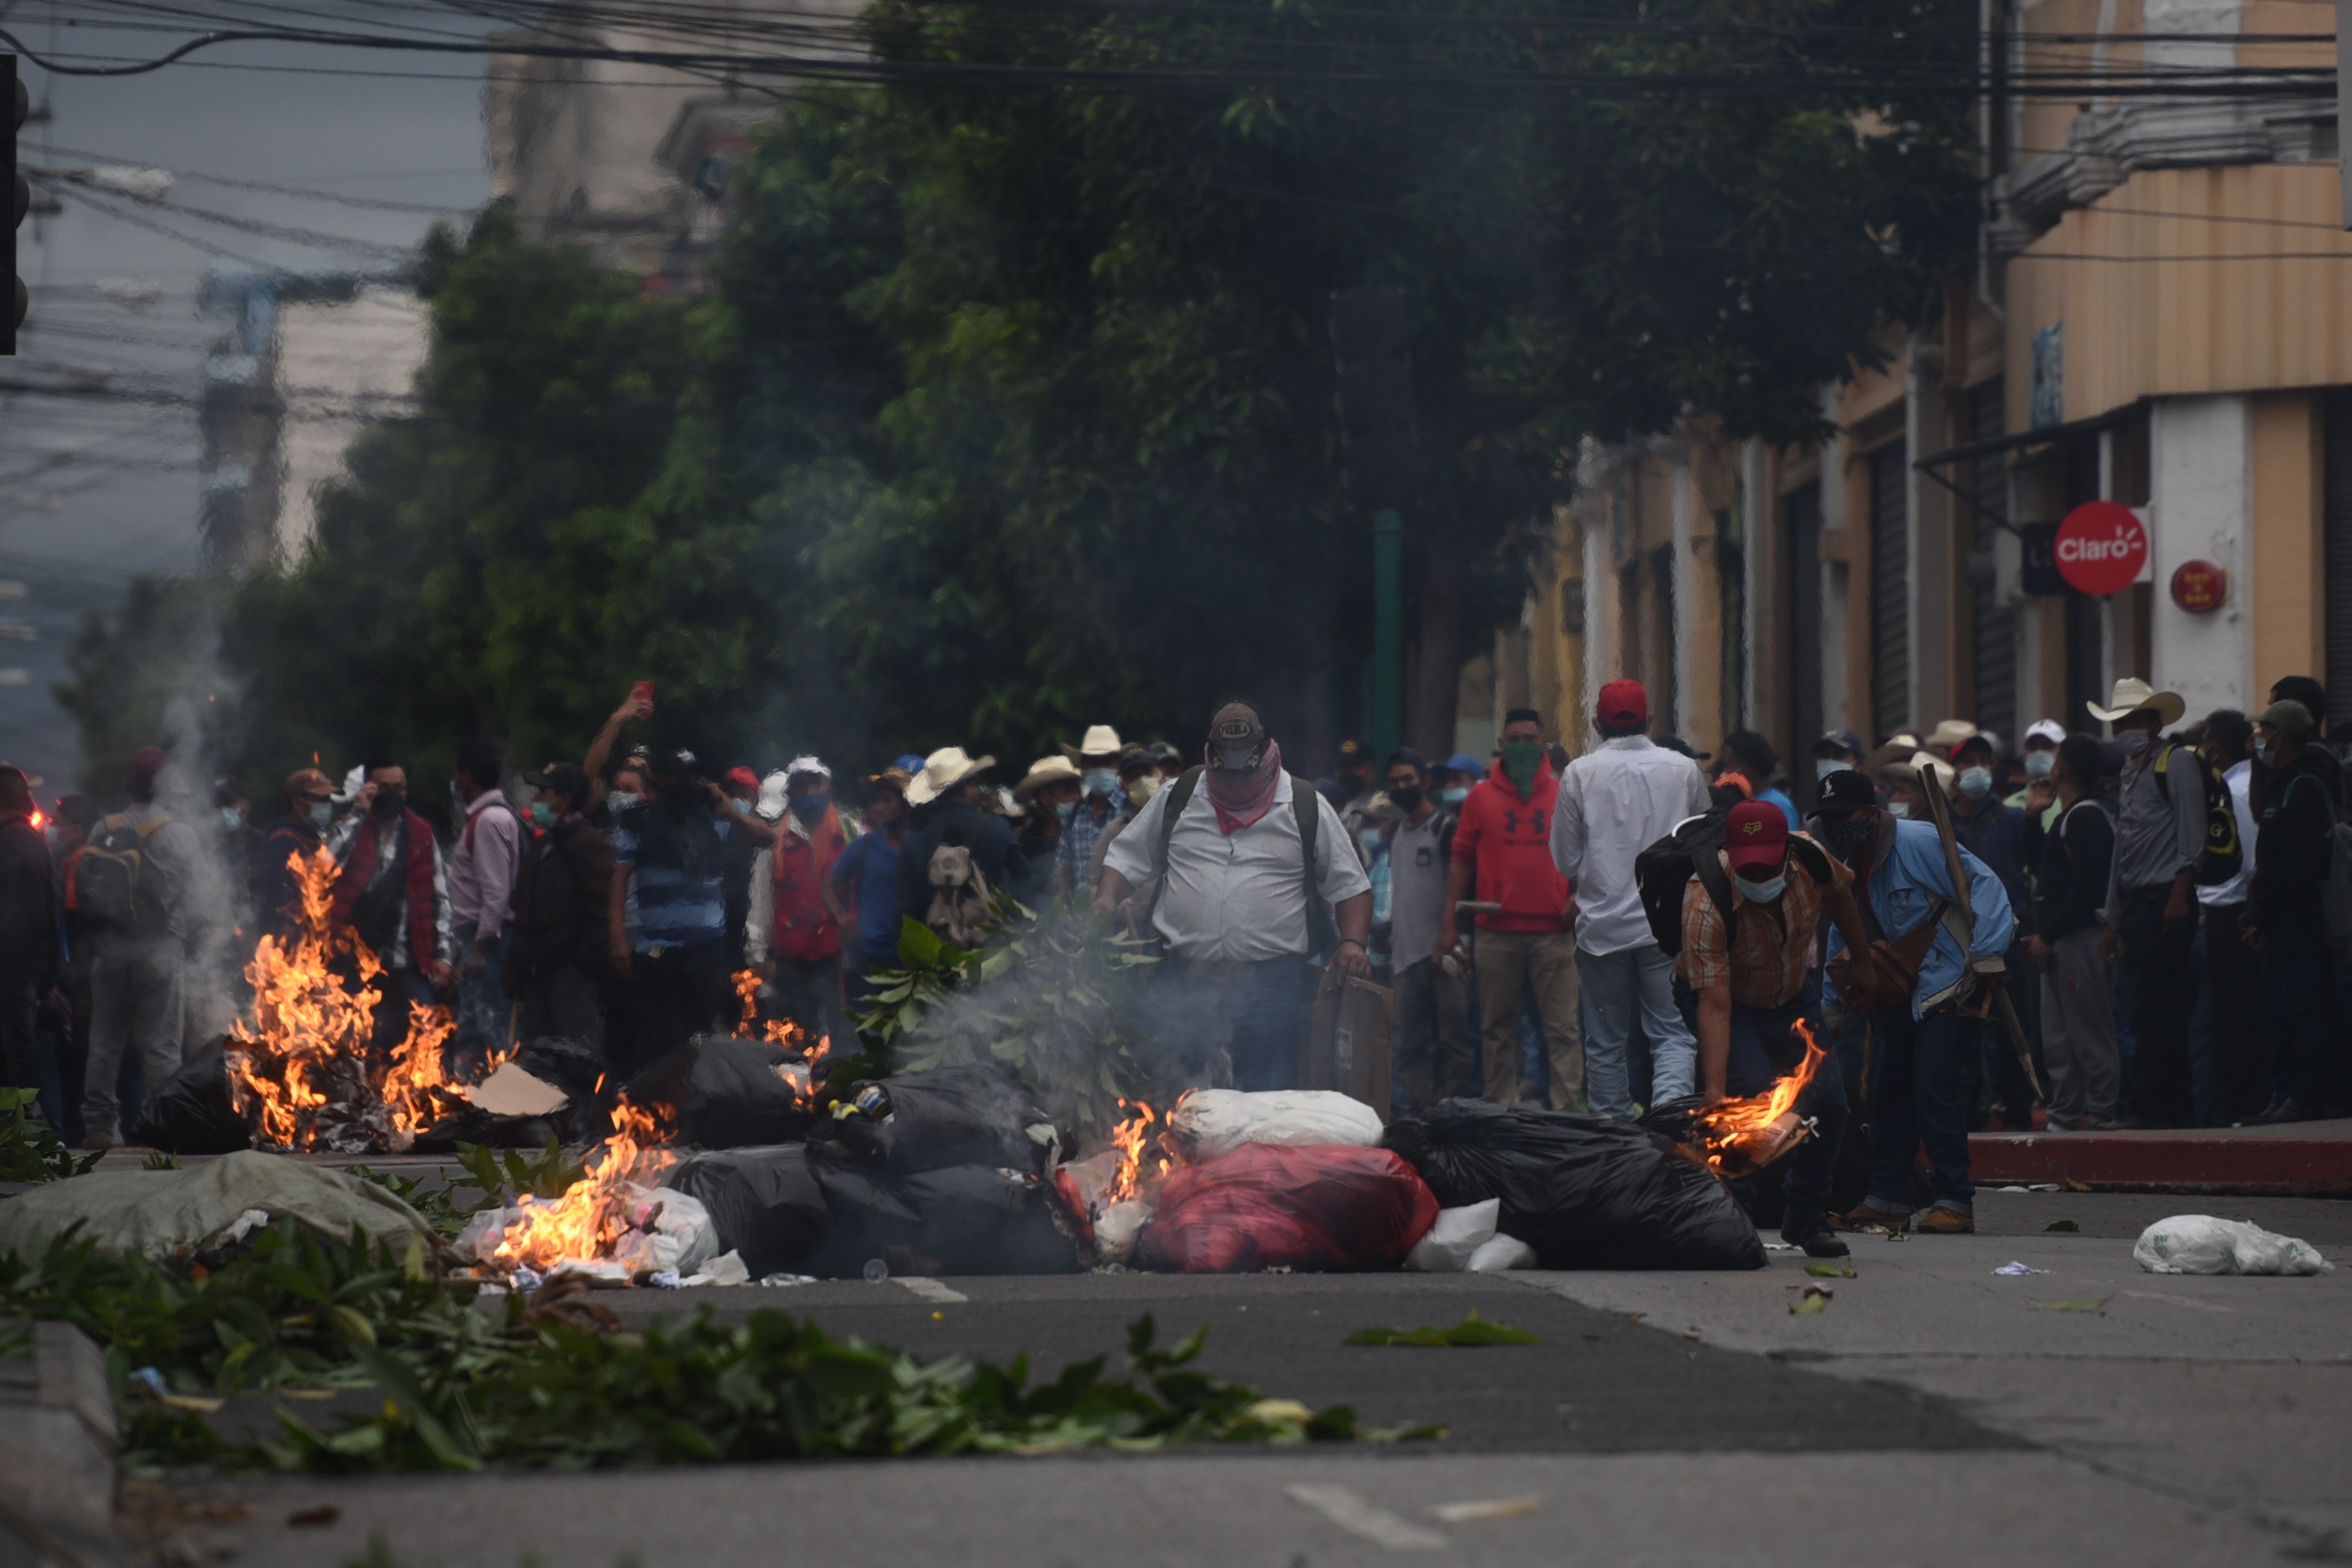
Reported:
(1816, 1237)
(2290, 1109)
(1865, 1220)
(1941, 1221)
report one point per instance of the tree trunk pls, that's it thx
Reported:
(1445, 581)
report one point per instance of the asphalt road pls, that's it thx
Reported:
(1934, 1413)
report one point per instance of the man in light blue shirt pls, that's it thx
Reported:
(1919, 1052)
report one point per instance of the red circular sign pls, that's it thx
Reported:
(2199, 587)
(2101, 548)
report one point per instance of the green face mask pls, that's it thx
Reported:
(1520, 761)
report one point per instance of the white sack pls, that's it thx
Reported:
(1208, 1122)
(2200, 1243)
(1500, 1253)
(1456, 1239)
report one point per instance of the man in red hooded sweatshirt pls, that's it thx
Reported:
(1503, 849)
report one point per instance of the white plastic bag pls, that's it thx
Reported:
(1117, 1228)
(2200, 1243)
(1501, 1252)
(1456, 1239)
(1208, 1122)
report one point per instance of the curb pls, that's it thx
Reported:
(2307, 1167)
(58, 1443)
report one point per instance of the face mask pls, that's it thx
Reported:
(1976, 783)
(1761, 892)
(232, 818)
(1520, 761)
(1824, 766)
(1371, 837)
(1847, 840)
(623, 800)
(542, 814)
(1407, 798)
(1103, 782)
(389, 803)
(1236, 759)
(2039, 764)
(1455, 795)
(1898, 808)
(1062, 812)
(809, 808)
(2266, 753)
(2133, 741)
(321, 814)
(1143, 789)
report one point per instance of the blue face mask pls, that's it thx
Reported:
(542, 814)
(231, 818)
(1824, 766)
(809, 808)
(2039, 764)
(321, 814)
(1761, 892)
(1103, 782)
(1976, 783)
(1455, 795)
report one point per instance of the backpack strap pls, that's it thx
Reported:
(1710, 875)
(1322, 935)
(1180, 796)
(148, 827)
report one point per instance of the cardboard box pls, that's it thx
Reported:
(1349, 1032)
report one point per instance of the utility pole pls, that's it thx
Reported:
(1380, 463)
(20, 200)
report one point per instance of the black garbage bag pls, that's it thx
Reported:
(472, 1124)
(763, 1203)
(194, 1114)
(1586, 1192)
(966, 1219)
(948, 1116)
(722, 1093)
(574, 1066)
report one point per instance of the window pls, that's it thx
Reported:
(1890, 592)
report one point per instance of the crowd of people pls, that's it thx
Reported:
(2136, 929)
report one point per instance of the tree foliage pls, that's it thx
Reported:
(1011, 409)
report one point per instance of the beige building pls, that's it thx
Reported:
(2162, 317)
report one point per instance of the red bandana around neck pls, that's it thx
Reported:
(1239, 802)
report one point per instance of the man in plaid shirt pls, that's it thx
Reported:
(1755, 982)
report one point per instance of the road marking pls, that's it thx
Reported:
(1358, 1518)
(930, 1289)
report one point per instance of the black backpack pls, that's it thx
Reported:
(2223, 856)
(108, 894)
(1662, 873)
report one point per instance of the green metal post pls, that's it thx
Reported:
(1388, 633)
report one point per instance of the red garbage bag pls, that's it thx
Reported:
(1314, 1207)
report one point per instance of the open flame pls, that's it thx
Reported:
(1129, 1138)
(782, 1033)
(299, 1067)
(595, 1211)
(1743, 1136)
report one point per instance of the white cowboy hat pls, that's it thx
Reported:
(1100, 741)
(773, 791)
(2133, 695)
(1950, 732)
(942, 770)
(1045, 771)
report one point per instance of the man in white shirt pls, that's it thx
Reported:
(481, 903)
(2234, 1041)
(1242, 907)
(1615, 802)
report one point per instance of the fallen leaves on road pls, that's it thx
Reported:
(1471, 1331)
(1841, 1269)
(1815, 1300)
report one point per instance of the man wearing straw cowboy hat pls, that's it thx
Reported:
(946, 817)
(1099, 800)
(2152, 911)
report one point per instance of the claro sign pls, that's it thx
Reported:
(2101, 548)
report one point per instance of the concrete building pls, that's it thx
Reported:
(2162, 317)
(310, 359)
(633, 160)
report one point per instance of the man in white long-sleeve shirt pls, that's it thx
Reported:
(1615, 802)
(481, 902)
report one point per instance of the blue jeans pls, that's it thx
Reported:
(1916, 1098)
(1765, 1046)
(1619, 987)
(1226, 1024)
(484, 1015)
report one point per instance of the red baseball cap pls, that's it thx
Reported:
(1623, 702)
(1755, 833)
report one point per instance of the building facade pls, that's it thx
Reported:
(2161, 317)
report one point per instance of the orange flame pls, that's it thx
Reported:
(304, 1046)
(1740, 1135)
(1129, 1138)
(779, 1032)
(595, 1211)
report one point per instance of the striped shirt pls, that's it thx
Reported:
(673, 907)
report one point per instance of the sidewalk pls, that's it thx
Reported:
(2310, 1158)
